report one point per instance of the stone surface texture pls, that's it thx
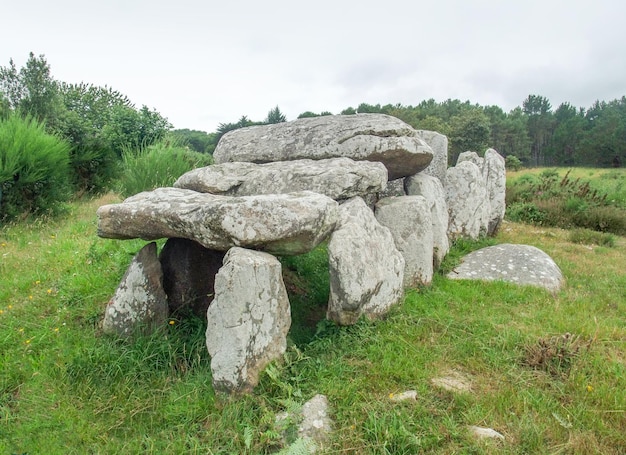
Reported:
(293, 223)
(439, 145)
(248, 319)
(468, 204)
(394, 188)
(316, 424)
(431, 189)
(139, 304)
(518, 264)
(370, 137)
(366, 269)
(472, 157)
(189, 275)
(337, 178)
(409, 220)
(494, 173)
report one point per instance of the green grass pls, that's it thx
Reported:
(67, 389)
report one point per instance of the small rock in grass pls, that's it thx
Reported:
(404, 396)
(484, 433)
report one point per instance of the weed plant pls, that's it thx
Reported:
(65, 388)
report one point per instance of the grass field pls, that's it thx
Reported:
(67, 389)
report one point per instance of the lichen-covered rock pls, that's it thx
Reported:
(394, 188)
(370, 137)
(139, 304)
(248, 320)
(337, 178)
(468, 204)
(472, 157)
(494, 173)
(189, 275)
(439, 145)
(431, 189)
(409, 220)
(366, 269)
(293, 223)
(518, 264)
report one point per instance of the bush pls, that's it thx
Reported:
(34, 168)
(158, 165)
(588, 237)
(512, 163)
(525, 212)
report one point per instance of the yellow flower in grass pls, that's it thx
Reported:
(49, 291)
(589, 388)
(172, 322)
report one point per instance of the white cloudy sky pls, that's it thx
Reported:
(201, 63)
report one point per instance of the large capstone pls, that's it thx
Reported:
(468, 204)
(248, 319)
(370, 137)
(518, 264)
(292, 223)
(409, 220)
(337, 178)
(431, 189)
(366, 269)
(139, 304)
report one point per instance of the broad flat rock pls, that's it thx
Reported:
(519, 264)
(370, 137)
(287, 224)
(337, 178)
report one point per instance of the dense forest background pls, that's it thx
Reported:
(100, 123)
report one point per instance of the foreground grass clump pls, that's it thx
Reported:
(67, 389)
(592, 199)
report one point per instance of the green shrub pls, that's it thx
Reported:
(512, 163)
(34, 168)
(525, 212)
(589, 237)
(158, 165)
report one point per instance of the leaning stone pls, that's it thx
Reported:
(518, 264)
(248, 320)
(472, 157)
(494, 173)
(337, 178)
(410, 222)
(371, 137)
(189, 275)
(139, 304)
(439, 145)
(432, 190)
(293, 223)
(366, 269)
(466, 196)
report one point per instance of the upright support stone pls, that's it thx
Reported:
(439, 145)
(494, 173)
(366, 269)
(410, 222)
(139, 303)
(248, 320)
(466, 196)
(431, 188)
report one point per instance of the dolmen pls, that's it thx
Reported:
(377, 191)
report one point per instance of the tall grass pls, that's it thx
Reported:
(34, 168)
(157, 165)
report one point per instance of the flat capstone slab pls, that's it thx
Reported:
(518, 264)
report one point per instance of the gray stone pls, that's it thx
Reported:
(485, 433)
(472, 157)
(286, 224)
(409, 220)
(139, 304)
(394, 188)
(494, 173)
(248, 320)
(468, 204)
(519, 264)
(316, 424)
(439, 145)
(432, 190)
(371, 137)
(189, 275)
(366, 269)
(337, 178)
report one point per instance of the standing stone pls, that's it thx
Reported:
(292, 223)
(410, 222)
(466, 196)
(139, 303)
(337, 178)
(439, 145)
(370, 137)
(473, 158)
(248, 320)
(366, 269)
(494, 173)
(431, 188)
(189, 275)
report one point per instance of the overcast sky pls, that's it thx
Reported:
(201, 63)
